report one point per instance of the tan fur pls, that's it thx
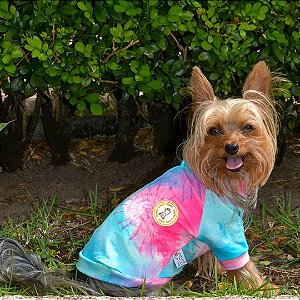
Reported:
(205, 152)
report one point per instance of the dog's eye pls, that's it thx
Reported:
(215, 131)
(247, 128)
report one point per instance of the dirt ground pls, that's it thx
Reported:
(22, 191)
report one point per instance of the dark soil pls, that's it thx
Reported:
(22, 191)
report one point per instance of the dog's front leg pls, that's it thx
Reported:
(250, 277)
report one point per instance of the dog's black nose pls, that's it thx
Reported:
(232, 148)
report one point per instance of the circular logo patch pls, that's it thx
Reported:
(165, 213)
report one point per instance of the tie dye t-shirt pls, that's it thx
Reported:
(162, 227)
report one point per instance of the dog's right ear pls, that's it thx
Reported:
(201, 88)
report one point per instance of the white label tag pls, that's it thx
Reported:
(179, 259)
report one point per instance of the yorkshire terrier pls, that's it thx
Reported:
(191, 210)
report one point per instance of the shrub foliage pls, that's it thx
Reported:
(145, 48)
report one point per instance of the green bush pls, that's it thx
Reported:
(145, 48)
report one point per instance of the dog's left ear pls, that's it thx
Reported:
(258, 80)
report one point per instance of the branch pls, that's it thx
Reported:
(108, 81)
(110, 55)
(183, 49)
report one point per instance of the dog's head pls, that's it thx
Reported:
(232, 143)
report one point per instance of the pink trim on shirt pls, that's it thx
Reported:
(236, 263)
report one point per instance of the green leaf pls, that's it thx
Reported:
(17, 53)
(243, 33)
(204, 56)
(81, 105)
(134, 64)
(289, 21)
(36, 42)
(6, 59)
(224, 49)
(87, 14)
(162, 44)
(210, 39)
(173, 18)
(45, 47)
(85, 82)
(263, 10)
(145, 71)
(51, 71)
(128, 80)
(210, 12)
(91, 98)
(251, 27)
(81, 92)
(119, 8)
(100, 15)
(16, 84)
(3, 125)
(82, 6)
(89, 48)
(128, 25)
(25, 69)
(13, 10)
(76, 79)
(168, 98)
(4, 5)
(35, 53)
(112, 65)
(28, 47)
(79, 46)
(154, 14)
(182, 27)
(256, 6)
(3, 28)
(214, 76)
(280, 53)
(152, 2)
(128, 34)
(115, 32)
(68, 9)
(138, 78)
(96, 109)
(175, 10)
(156, 84)
(10, 68)
(64, 76)
(248, 7)
(206, 46)
(295, 35)
(261, 17)
(217, 41)
(73, 100)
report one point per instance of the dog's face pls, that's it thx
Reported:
(232, 142)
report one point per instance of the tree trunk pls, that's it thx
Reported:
(18, 134)
(168, 131)
(127, 129)
(57, 127)
(281, 143)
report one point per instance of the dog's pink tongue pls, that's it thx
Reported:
(234, 162)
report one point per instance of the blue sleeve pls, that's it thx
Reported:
(222, 228)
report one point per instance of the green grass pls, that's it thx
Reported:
(278, 230)
(57, 235)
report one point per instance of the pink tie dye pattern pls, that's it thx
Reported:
(163, 241)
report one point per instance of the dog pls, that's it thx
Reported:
(193, 209)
